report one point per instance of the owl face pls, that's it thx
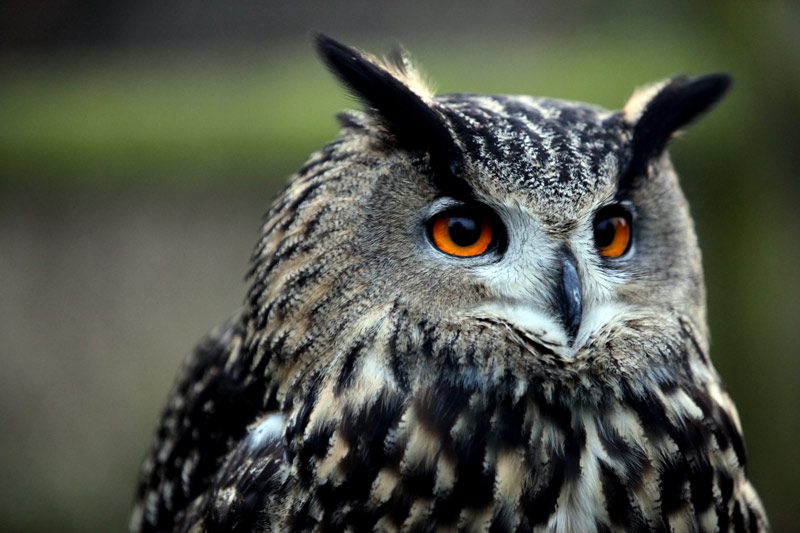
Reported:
(493, 221)
(559, 220)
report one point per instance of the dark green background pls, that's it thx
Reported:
(140, 142)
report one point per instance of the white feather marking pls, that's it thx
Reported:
(639, 100)
(598, 317)
(526, 318)
(547, 330)
(268, 429)
(373, 370)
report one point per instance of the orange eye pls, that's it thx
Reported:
(462, 235)
(612, 233)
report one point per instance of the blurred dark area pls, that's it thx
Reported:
(50, 25)
(141, 142)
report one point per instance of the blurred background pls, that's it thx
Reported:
(141, 141)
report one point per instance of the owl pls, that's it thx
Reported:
(466, 313)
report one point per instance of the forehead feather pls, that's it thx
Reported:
(551, 155)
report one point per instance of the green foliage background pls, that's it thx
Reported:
(132, 181)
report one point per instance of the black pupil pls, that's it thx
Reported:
(464, 231)
(604, 231)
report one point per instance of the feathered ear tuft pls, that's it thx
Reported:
(656, 113)
(398, 63)
(393, 92)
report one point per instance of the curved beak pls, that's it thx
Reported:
(570, 301)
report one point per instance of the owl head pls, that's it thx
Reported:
(557, 225)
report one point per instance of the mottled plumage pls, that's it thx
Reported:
(372, 382)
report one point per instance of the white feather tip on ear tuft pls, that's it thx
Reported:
(638, 101)
(399, 65)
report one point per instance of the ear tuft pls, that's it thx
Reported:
(394, 94)
(661, 110)
(398, 63)
(391, 87)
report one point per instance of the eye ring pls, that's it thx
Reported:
(613, 231)
(464, 232)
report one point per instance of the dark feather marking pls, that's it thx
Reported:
(509, 429)
(725, 487)
(396, 355)
(284, 250)
(300, 519)
(602, 527)
(438, 407)
(366, 429)
(718, 423)
(618, 503)
(631, 454)
(348, 119)
(399, 504)
(308, 193)
(419, 479)
(477, 141)
(296, 427)
(428, 334)
(574, 443)
(273, 345)
(316, 444)
(270, 402)
(446, 510)
(574, 436)
(299, 349)
(688, 333)
(313, 221)
(253, 474)
(474, 486)
(723, 517)
(346, 373)
(650, 411)
(449, 351)
(502, 521)
(733, 435)
(674, 474)
(539, 506)
(701, 480)
(738, 518)
(691, 437)
(328, 498)
(539, 502)
(665, 378)
(523, 526)
(327, 154)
